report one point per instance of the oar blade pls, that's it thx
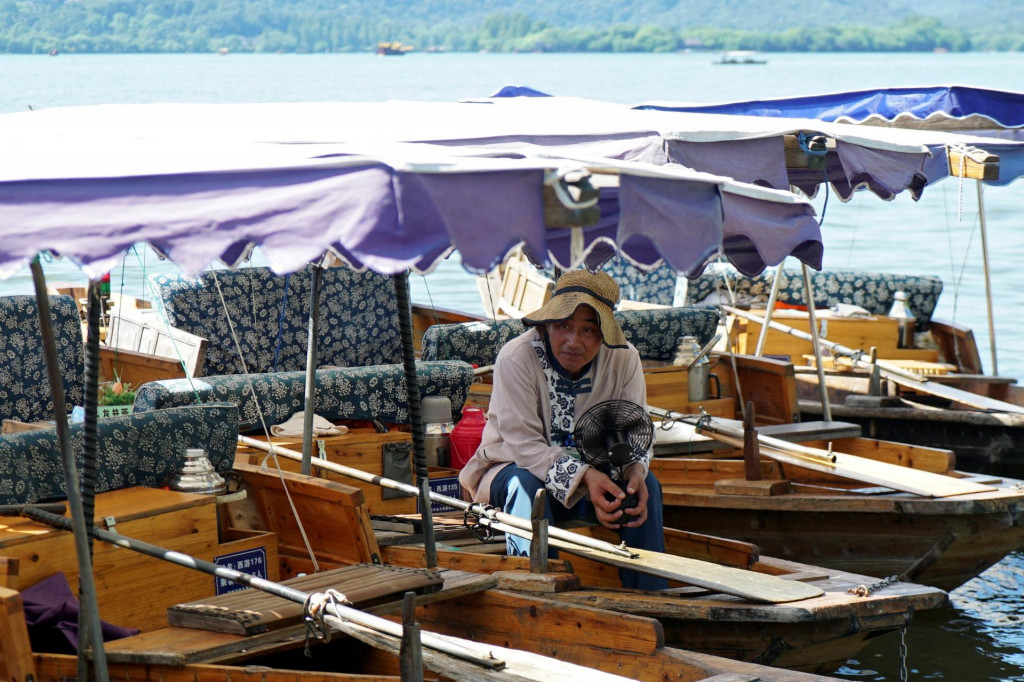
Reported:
(726, 579)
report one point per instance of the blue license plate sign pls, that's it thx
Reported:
(251, 561)
(449, 485)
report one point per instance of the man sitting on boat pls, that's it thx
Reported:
(573, 357)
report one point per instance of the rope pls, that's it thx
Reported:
(263, 422)
(314, 613)
(480, 531)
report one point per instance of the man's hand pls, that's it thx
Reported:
(598, 484)
(636, 484)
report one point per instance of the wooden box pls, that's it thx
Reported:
(668, 388)
(132, 589)
(359, 449)
(856, 333)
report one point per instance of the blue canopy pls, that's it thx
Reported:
(1000, 108)
(977, 112)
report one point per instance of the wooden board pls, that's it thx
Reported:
(180, 646)
(16, 662)
(250, 611)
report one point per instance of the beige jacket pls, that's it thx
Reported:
(518, 421)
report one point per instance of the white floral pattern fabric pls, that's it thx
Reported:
(873, 291)
(375, 392)
(142, 449)
(24, 387)
(650, 286)
(270, 315)
(654, 333)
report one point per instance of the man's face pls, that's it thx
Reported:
(575, 341)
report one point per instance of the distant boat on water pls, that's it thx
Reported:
(741, 57)
(393, 49)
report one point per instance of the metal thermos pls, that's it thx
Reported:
(197, 475)
(905, 319)
(699, 372)
(437, 426)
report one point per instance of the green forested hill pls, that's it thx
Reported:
(507, 25)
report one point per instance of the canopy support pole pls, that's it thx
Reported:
(89, 615)
(826, 407)
(311, 352)
(776, 283)
(988, 279)
(412, 392)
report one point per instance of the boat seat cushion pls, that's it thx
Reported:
(650, 286)
(655, 333)
(140, 449)
(24, 386)
(873, 291)
(270, 317)
(364, 393)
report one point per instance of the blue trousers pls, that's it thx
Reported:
(514, 489)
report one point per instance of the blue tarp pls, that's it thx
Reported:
(995, 117)
(1005, 109)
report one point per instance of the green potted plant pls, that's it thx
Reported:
(116, 397)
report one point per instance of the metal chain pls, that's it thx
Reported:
(865, 590)
(903, 655)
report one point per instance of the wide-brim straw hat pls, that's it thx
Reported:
(582, 287)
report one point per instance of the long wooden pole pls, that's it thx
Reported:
(988, 280)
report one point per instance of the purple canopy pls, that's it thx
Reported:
(207, 182)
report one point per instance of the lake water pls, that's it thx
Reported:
(980, 636)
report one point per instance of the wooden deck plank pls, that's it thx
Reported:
(179, 646)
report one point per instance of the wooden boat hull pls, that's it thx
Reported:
(984, 443)
(817, 635)
(939, 542)
(628, 646)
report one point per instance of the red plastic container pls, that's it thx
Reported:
(465, 437)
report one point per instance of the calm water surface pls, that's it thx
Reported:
(980, 636)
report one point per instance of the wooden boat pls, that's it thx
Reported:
(740, 57)
(393, 49)
(816, 635)
(935, 395)
(795, 510)
(936, 541)
(188, 633)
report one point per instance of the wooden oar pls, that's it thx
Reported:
(890, 371)
(894, 476)
(723, 579)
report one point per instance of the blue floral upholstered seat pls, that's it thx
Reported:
(655, 333)
(872, 291)
(143, 449)
(364, 393)
(270, 317)
(24, 387)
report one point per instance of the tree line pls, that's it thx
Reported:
(127, 26)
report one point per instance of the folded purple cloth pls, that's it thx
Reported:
(51, 612)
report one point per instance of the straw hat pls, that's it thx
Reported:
(595, 289)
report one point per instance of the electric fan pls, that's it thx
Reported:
(612, 435)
